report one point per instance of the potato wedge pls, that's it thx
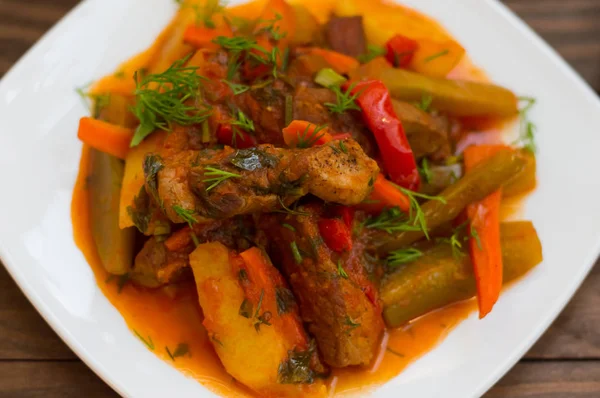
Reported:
(253, 323)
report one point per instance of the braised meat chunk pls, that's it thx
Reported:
(346, 35)
(337, 302)
(218, 184)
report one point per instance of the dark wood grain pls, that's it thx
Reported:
(564, 363)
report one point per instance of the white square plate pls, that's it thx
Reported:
(39, 158)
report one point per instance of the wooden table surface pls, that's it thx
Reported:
(34, 362)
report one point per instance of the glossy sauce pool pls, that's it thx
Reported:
(165, 318)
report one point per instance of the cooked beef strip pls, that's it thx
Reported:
(346, 35)
(269, 176)
(342, 313)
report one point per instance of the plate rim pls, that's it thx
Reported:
(484, 385)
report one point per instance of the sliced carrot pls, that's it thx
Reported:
(484, 240)
(179, 239)
(304, 134)
(105, 137)
(385, 195)
(268, 281)
(339, 62)
(202, 37)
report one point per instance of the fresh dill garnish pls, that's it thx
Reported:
(436, 55)
(343, 146)
(425, 171)
(238, 44)
(475, 235)
(348, 321)
(306, 139)
(148, 342)
(416, 214)
(265, 317)
(243, 122)
(425, 103)
(340, 269)
(285, 59)
(527, 129)
(290, 211)
(391, 220)
(236, 87)
(161, 100)
(181, 350)
(188, 216)
(373, 52)
(335, 149)
(233, 65)
(296, 252)
(288, 226)
(185, 214)
(403, 256)
(345, 101)
(271, 28)
(217, 176)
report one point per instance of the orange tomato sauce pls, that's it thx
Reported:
(164, 318)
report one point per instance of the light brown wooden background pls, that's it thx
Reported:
(564, 363)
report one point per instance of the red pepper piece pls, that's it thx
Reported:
(238, 139)
(336, 234)
(346, 213)
(378, 113)
(400, 50)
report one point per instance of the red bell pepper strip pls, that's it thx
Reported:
(237, 139)
(335, 234)
(347, 214)
(374, 99)
(484, 240)
(400, 50)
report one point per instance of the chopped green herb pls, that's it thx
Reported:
(188, 216)
(416, 213)
(149, 343)
(253, 159)
(403, 256)
(345, 101)
(243, 122)
(343, 146)
(217, 176)
(391, 220)
(205, 132)
(285, 300)
(527, 129)
(162, 99)
(396, 353)
(291, 211)
(296, 252)
(233, 65)
(351, 323)
(306, 139)
(152, 165)
(475, 236)
(296, 369)
(263, 319)
(236, 88)
(246, 309)
(373, 52)
(272, 28)
(121, 282)
(425, 103)
(288, 226)
(181, 350)
(327, 77)
(436, 55)
(340, 269)
(425, 171)
(243, 276)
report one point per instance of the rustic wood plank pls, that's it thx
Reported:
(576, 332)
(70, 379)
(560, 379)
(23, 332)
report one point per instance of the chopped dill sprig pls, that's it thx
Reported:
(217, 176)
